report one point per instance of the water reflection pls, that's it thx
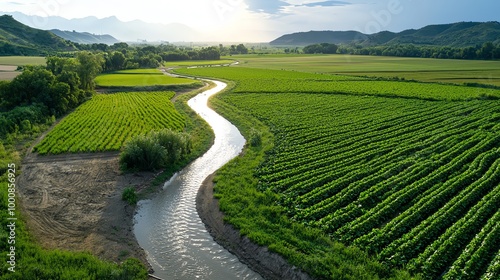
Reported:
(169, 228)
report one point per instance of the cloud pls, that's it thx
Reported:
(326, 4)
(280, 6)
(266, 6)
(20, 3)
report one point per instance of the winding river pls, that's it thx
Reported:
(168, 227)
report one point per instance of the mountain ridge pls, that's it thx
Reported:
(85, 37)
(130, 31)
(19, 39)
(459, 34)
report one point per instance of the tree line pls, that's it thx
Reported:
(41, 93)
(124, 56)
(487, 51)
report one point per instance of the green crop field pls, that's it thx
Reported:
(139, 78)
(412, 181)
(106, 121)
(421, 69)
(277, 81)
(198, 62)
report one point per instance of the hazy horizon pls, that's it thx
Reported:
(263, 21)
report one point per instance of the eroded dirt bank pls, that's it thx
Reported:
(73, 202)
(268, 264)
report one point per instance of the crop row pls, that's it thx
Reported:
(434, 200)
(107, 121)
(476, 257)
(493, 271)
(373, 186)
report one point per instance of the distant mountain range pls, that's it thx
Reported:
(461, 34)
(19, 39)
(85, 37)
(131, 31)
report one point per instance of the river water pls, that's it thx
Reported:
(168, 227)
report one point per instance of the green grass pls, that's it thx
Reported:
(422, 69)
(109, 120)
(139, 78)
(198, 62)
(22, 60)
(151, 71)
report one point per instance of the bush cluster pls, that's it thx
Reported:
(155, 151)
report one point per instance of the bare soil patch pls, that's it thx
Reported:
(7, 76)
(8, 68)
(73, 202)
(8, 72)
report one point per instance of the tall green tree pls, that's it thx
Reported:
(89, 66)
(241, 49)
(118, 60)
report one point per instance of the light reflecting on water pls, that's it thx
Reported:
(168, 227)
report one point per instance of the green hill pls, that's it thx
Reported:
(19, 39)
(85, 37)
(461, 34)
(316, 37)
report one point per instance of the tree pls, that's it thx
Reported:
(210, 53)
(89, 66)
(76, 95)
(241, 49)
(37, 85)
(324, 48)
(117, 61)
(486, 51)
(233, 50)
(468, 53)
(29, 87)
(119, 46)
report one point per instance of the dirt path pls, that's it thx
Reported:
(73, 202)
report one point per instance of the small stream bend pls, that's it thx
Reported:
(168, 227)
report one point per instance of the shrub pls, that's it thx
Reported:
(129, 195)
(177, 144)
(255, 138)
(143, 153)
(155, 151)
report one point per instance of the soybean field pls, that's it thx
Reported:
(407, 172)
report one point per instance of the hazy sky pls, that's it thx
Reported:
(264, 20)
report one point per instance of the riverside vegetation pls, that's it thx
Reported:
(49, 92)
(395, 180)
(30, 104)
